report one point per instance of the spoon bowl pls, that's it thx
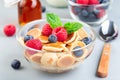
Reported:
(108, 31)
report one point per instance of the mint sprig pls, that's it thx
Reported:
(53, 20)
(72, 26)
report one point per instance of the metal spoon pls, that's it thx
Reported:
(108, 32)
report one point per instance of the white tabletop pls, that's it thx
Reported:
(10, 49)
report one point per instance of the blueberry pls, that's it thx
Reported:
(103, 1)
(27, 37)
(85, 13)
(15, 64)
(76, 9)
(81, 17)
(73, 1)
(96, 11)
(90, 8)
(78, 52)
(92, 17)
(52, 38)
(43, 9)
(87, 40)
(100, 1)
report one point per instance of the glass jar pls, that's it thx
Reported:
(93, 15)
(57, 3)
(29, 10)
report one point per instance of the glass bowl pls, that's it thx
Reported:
(35, 57)
(90, 14)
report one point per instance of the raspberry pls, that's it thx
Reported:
(9, 30)
(93, 2)
(46, 30)
(34, 43)
(82, 1)
(61, 33)
(99, 12)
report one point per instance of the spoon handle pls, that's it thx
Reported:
(104, 61)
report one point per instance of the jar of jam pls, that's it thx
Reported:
(29, 10)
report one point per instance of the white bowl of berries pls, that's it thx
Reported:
(56, 45)
(93, 12)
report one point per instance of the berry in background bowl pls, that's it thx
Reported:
(93, 12)
(56, 45)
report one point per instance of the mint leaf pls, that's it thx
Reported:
(72, 26)
(53, 20)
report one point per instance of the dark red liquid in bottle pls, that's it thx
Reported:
(29, 10)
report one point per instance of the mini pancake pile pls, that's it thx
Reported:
(59, 54)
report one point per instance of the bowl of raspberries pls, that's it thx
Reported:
(56, 45)
(93, 12)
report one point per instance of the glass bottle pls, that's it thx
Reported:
(29, 10)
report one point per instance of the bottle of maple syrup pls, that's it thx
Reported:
(29, 10)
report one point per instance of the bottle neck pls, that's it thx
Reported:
(31, 3)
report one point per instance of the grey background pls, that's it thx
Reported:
(10, 49)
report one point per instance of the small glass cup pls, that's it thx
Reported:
(90, 14)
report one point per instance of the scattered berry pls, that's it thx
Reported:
(15, 64)
(82, 1)
(43, 9)
(52, 38)
(61, 33)
(27, 37)
(34, 43)
(77, 53)
(9, 30)
(87, 40)
(46, 30)
(93, 2)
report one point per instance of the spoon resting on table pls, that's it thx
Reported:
(108, 32)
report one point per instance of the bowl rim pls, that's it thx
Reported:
(97, 5)
(62, 19)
